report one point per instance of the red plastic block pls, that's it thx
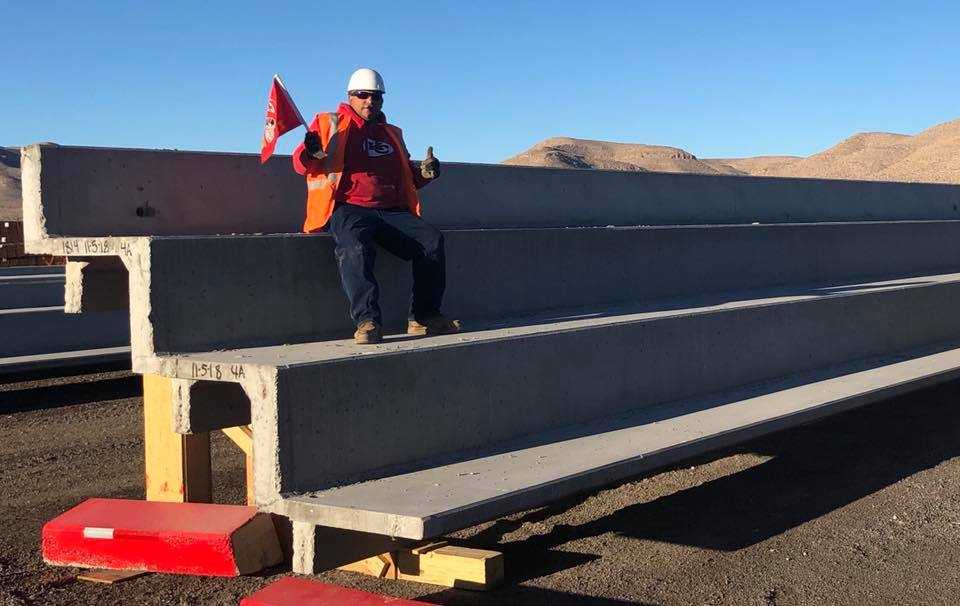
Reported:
(292, 591)
(182, 538)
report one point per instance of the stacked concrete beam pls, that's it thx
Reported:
(205, 293)
(37, 333)
(619, 321)
(74, 196)
(329, 415)
(28, 286)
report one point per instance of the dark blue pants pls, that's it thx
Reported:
(356, 229)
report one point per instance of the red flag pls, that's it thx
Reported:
(282, 116)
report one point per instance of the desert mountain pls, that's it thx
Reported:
(9, 183)
(565, 152)
(755, 165)
(932, 156)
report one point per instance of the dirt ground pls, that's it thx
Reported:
(863, 508)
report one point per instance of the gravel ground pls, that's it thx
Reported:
(863, 508)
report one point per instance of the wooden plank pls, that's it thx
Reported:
(177, 467)
(248, 474)
(242, 436)
(110, 576)
(381, 566)
(452, 566)
(437, 564)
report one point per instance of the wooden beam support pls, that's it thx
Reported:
(110, 577)
(177, 467)
(437, 564)
(242, 436)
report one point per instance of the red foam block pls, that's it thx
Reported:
(181, 538)
(292, 591)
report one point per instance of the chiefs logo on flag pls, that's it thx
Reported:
(282, 116)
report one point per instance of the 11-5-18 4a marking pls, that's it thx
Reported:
(217, 372)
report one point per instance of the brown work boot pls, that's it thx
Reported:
(368, 332)
(433, 325)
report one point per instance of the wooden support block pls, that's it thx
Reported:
(451, 566)
(110, 576)
(381, 566)
(177, 466)
(242, 436)
(437, 564)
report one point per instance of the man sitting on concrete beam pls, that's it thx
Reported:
(362, 188)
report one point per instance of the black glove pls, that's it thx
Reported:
(430, 167)
(311, 142)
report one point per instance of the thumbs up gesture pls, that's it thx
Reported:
(430, 167)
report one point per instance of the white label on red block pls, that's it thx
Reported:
(92, 532)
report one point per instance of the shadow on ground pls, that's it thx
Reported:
(528, 596)
(41, 374)
(53, 396)
(814, 470)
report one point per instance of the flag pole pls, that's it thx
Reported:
(289, 98)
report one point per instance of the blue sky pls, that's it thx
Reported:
(482, 81)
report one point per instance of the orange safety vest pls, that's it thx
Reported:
(322, 183)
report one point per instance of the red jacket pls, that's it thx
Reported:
(372, 171)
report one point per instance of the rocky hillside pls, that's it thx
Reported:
(931, 156)
(9, 183)
(565, 152)
(755, 165)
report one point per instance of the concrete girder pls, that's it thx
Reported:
(206, 293)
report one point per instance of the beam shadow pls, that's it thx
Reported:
(54, 396)
(62, 371)
(528, 596)
(815, 469)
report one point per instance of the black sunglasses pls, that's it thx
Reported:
(363, 94)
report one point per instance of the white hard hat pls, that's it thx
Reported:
(366, 79)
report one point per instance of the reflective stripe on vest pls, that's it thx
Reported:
(321, 182)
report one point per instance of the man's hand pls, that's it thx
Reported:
(430, 167)
(311, 143)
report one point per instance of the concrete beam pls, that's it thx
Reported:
(66, 359)
(555, 378)
(34, 289)
(317, 426)
(202, 406)
(32, 270)
(100, 192)
(96, 284)
(45, 330)
(269, 290)
(537, 470)
(78, 192)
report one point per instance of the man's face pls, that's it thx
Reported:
(366, 103)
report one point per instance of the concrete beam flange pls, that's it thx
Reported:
(201, 406)
(96, 284)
